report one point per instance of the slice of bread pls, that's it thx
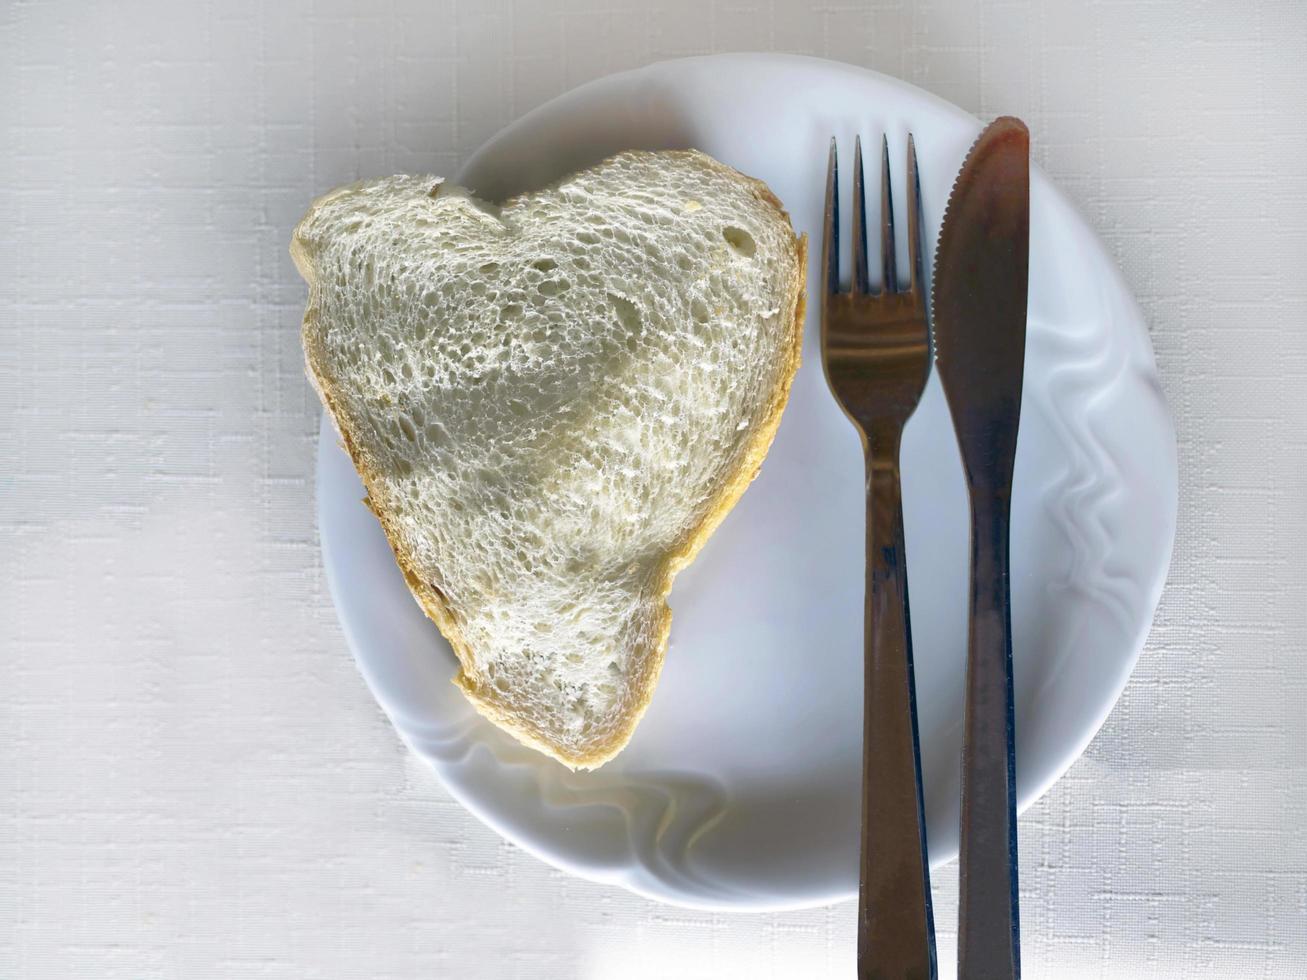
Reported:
(552, 405)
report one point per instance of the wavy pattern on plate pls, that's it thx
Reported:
(664, 813)
(1079, 498)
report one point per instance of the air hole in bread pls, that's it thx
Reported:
(627, 314)
(544, 265)
(741, 241)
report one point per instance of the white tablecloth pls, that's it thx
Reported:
(194, 780)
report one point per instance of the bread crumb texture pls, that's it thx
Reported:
(551, 404)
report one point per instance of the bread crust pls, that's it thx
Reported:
(436, 606)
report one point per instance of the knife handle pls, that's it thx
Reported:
(896, 930)
(989, 944)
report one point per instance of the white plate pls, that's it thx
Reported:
(740, 787)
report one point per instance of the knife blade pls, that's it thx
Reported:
(979, 315)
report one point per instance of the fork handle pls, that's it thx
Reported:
(988, 922)
(896, 930)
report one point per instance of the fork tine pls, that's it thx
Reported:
(861, 280)
(890, 272)
(917, 272)
(830, 237)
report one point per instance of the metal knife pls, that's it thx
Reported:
(979, 314)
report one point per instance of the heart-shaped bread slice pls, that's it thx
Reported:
(552, 404)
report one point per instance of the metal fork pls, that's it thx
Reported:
(876, 352)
